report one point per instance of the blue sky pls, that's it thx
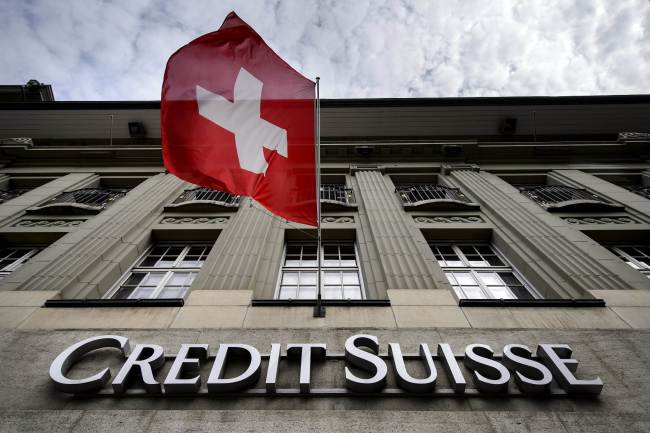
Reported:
(116, 50)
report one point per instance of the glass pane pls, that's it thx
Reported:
(520, 292)
(351, 278)
(347, 249)
(509, 278)
(290, 278)
(467, 249)
(446, 249)
(484, 249)
(308, 278)
(331, 252)
(123, 293)
(464, 278)
(473, 292)
(307, 292)
(332, 292)
(293, 250)
(288, 292)
(348, 261)
(453, 261)
(292, 262)
(331, 263)
(351, 292)
(494, 261)
(332, 278)
(311, 263)
(172, 292)
(489, 279)
(152, 279)
(500, 292)
(451, 278)
(149, 261)
(142, 292)
(475, 260)
(196, 251)
(134, 279)
(179, 279)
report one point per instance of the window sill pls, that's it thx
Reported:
(94, 303)
(571, 303)
(325, 302)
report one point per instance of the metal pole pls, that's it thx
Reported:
(319, 309)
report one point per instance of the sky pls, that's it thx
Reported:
(117, 50)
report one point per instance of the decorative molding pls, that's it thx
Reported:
(633, 136)
(448, 168)
(194, 220)
(337, 219)
(47, 223)
(599, 220)
(448, 219)
(26, 141)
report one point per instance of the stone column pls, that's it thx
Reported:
(402, 258)
(247, 254)
(88, 261)
(557, 259)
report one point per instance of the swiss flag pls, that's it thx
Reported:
(237, 118)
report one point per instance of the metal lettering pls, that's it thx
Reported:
(216, 381)
(367, 361)
(141, 368)
(404, 379)
(305, 352)
(489, 375)
(531, 377)
(69, 356)
(557, 358)
(183, 364)
(456, 378)
(272, 368)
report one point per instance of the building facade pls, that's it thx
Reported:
(493, 221)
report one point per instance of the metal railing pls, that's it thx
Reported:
(553, 195)
(339, 194)
(641, 190)
(207, 194)
(417, 194)
(94, 198)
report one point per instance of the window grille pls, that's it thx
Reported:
(92, 198)
(636, 256)
(207, 194)
(340, 277)
(641, 190)
(13, 258)
(412, 195)
(476, 271)
(337, 194)
(557, 196)
(165, 271)
(9, 194)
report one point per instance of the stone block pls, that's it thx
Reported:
(11, 317)
(210, 317)
(623, 298)
(544, 317)
(51, 421)
(636, 317)
(421, 297)
(219, 297)
(410, 316)
(26, 298)
(336, 317)
(101, 318)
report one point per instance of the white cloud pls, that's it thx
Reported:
(97, 50)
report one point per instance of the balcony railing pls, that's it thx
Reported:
(204, 200)
(641, 190)
(85, 200)
(437, 197)
(565, 198)
(337, 195)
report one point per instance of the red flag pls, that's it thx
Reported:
(235, 117)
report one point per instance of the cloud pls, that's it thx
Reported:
(99, 50)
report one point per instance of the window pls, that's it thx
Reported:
(337, 194)
(561, 198)
(636, 256)
(13, 258)
(477, 271)
(165, 271)
(340, 277)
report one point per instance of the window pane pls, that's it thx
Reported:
(180, 279)
(307, 292)
(493, 260)
(332, 292)
(172, 292)
(500, 292)
(331, 252)
(142, 292)
(288, 292)
(332, 278)
(489, 279)
(292, 262)
(348, 261)
(451, 278)
(464, 278)
(293, 250)
(350, 278)
(290, 278)
(308, 278)
(351, 292)
(473, 292)
(347, 249)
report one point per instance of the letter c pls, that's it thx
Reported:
(69, 356)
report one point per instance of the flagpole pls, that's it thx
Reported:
(319, 309)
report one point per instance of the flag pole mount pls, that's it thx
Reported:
(319, 309)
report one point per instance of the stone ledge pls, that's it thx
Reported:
(623, 298)
(100, 318)
(219, 297)
(210, 317)
(412, 316)
(421, 297)
(26, 298)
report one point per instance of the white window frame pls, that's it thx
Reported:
(475, 270)
(629, 260)
(168, 270)
(32, 251)
(324, 269)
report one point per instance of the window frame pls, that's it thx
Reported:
(630, 261)
(168, 271)
(324, 269)
(33, 250)
(507, 267)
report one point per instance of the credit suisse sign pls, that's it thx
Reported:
(551, 371)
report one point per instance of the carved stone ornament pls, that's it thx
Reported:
(448, 219)
(47, 223)
(194, 220)
(337, 219)
(600, 220)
